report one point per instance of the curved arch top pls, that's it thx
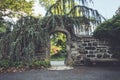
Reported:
(68, 49)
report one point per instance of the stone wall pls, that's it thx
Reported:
(84, 47)
(80, 48)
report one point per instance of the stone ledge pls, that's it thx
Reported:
(103, 60)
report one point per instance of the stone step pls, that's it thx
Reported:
(59, 65)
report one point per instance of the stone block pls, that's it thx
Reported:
(87, 41)
(72, 46)
(86, 52)
(89, 44)
(94, 43)
(84, 44)
(90, 55)
(91, 52)
(92, 40)
(106, 55)
(74, 52)
(95, 51)
(102, 50)
(99, 55)
(73, 49)
(90, 48)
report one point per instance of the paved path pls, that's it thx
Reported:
(79, 73)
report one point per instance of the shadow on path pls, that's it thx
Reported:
(78, 73)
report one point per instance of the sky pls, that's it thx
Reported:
(106, 8)
(38, 9)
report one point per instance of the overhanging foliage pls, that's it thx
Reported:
(65, 13)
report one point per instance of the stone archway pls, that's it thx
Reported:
(68, 60)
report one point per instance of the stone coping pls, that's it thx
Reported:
(103, 60)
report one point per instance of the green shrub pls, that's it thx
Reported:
(40, 64)
(7, 64)
(4, 64)
(35, 64)
(109, 31)
(17, 64)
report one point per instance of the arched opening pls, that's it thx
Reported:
(58, 51)
(68, 60)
